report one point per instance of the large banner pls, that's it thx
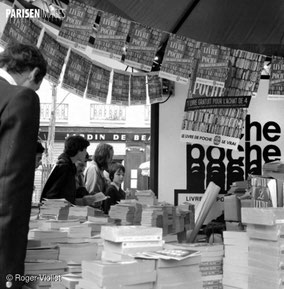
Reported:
(219, 96)
(138, 89)
(55, 54)
(276, 82)
(143, 45)
(111, 36)
(155, 88)
(22, 30)
(77, 25)
(120, 88)
(179, 58)
(76, 73)
(98, 83)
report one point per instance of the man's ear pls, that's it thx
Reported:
(33, 74)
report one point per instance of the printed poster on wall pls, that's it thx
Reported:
(98, 83)
(276, 81)
(55, 54)
(22, 30)
(120, 87)
(111, 36)
(179, 58)
(138, 89)
(76, 73)
(155, 88)
(142, 47)
(77, 25)
(210, 117)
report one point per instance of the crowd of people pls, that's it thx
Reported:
(22, 69)
(73, 179)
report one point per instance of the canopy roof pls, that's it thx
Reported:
(252, 25)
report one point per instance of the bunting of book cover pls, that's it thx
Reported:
(98, 83)
(138, 89)
(120, 87)
(211, 117)
(76, 73)
(276, 81)
(77, 25)
(55, 54)
(179, 58)
(155, 88)
(23, 30)
(245, 73)
(142, 47)
(111, 36)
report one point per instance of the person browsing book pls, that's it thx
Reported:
(61, 182)
(22, 69)
(114, 191)
(95, 179)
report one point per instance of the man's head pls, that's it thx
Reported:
(75, 147)
(25, 63)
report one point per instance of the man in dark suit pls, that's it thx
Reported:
(22, 68)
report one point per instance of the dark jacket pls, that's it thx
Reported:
(19, 123)
(61, 182)
(115, 196)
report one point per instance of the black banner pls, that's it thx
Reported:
(217, 102)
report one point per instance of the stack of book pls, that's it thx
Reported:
(39, 273)
(153, 216)
(122, 242)
(127, 212)
(48, 237)
(77, 232)
(99, 274)
(211, 264)
(178, 268)
(57, 224)
(67, 281)
(57, 209)
(42, 253)
(146, 197)
(78, 251)
(265, 253)
(78, 212)
(95, 223)
(239, 188)
(235, 267)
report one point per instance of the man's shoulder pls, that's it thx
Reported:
(17, 91)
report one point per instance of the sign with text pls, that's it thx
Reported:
(216, 102)
(76, 73)
(178, 59)
(276, 81)
(120, 87)
(21, 30)
(97, 137)
(77, 25)
(98, 83)
(111, 36)
(55, 54)
(143, 45)
(183, 196)
(138, 89)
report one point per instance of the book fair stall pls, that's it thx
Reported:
(212, 217)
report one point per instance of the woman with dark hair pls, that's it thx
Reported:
(95, 180)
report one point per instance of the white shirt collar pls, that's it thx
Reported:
(4, 74)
